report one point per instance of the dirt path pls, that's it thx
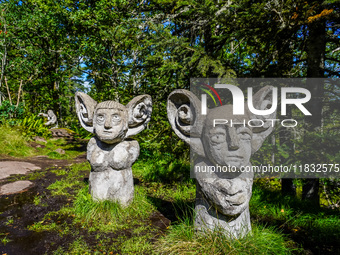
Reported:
(17, 209)
(13, 166)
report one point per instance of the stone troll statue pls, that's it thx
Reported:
(109, 152)
(222, 199)
(51, 118)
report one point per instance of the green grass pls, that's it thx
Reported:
(4, 240)
(161, 167)
(163, 185)
(13, 143)
(72, 179)
(71, 149)
(184, 239)
(108, 215)
(137, 245)
(79, 246)
(321, 225)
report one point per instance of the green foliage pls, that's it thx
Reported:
(322, 225)
(317, 147)
(33, 125)
(331, 192)
(79, 131)
(4, 240)
(9, 111)
(71, 180)
(161, 167)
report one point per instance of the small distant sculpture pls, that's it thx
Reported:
(222, 198)
(51, 118)
(110, 153)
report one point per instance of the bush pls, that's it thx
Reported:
(9, 111)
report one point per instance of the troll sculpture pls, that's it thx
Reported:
(109, 152)
(51, 118)
(222, 198)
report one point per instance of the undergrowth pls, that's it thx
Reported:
(184, 239)
(13, 143)
(280, 225)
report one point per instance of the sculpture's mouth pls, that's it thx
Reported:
(234, 158)
(233, 203)
(107, 133)
(230, 204)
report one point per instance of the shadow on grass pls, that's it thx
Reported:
(174, 211)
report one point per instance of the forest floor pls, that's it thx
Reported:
(21, 209)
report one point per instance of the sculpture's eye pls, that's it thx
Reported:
(218, 138)
(244, 134)
(115, 117)
(100, 118)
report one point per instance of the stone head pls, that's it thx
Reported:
(111, 121)
(223, 139)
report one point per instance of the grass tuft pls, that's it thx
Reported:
(184, 239)
(108, 215)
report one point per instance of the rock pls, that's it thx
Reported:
(60, 151)
(40, 139)
(36, 145)
(61, 133)
(15, 167)
(14, 187)
(222, 197)
(110, 153)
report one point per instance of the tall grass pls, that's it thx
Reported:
(109, 215)
(184, 239)
(321, 224)
(13, 143)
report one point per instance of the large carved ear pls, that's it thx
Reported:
(85, 107)
(264, 99)
(139, 114)
(184, 114)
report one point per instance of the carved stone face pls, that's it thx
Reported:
(111, 121)
(227, 145)
(110, 124)
(223, 145)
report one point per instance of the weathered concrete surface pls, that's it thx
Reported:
(51, 118)
(14, 187)
(15, 167)
(222, 198)
(110, 153)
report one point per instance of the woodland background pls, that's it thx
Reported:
(115, 50)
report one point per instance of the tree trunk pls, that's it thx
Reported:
(287, 185)
(316, 46)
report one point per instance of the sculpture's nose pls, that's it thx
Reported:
(234, 140)
(108, 123)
